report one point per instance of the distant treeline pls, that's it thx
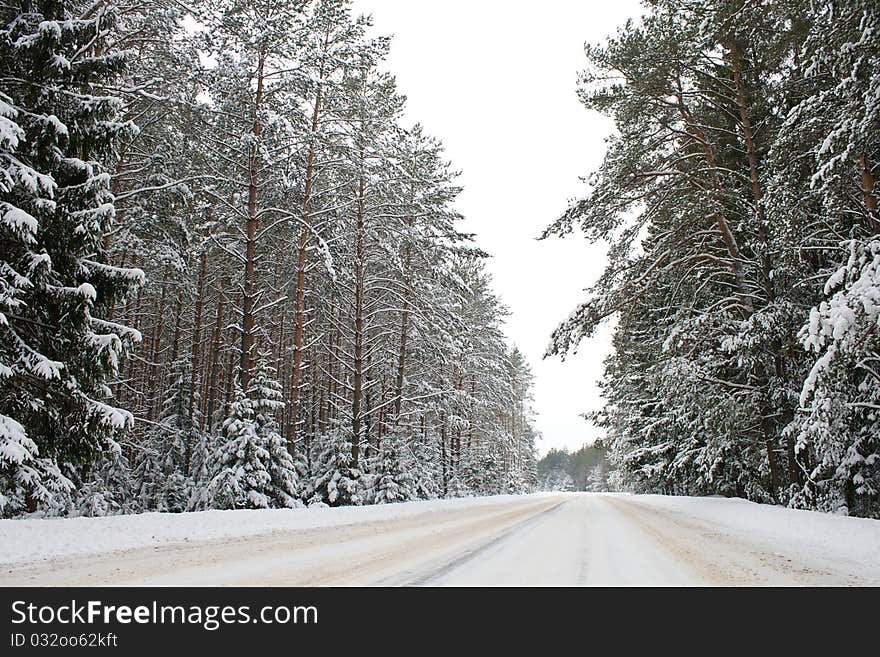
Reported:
(567, 471)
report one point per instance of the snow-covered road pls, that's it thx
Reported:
(566, 539)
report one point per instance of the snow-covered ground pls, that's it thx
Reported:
(559, 539)
(649, 540)
(837, 540)
(41, 539)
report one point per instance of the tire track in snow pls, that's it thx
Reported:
(468, 555)
(411, 551)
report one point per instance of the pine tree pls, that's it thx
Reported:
(56, 127)
(743, 172)
(266, 399)
(240, 465)
(394, 481)
(372, 359)
(336, 481)
(829, 200)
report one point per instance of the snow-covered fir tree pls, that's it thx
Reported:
(336, 480)
(251, 465)
(240, 461)
(266, 399)
(164, 467)
(106, 488)
(371, 354)
(738, 198)
(838, 123)
(58, 128)
(394, 480)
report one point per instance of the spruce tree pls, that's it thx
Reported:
(829, 199)
(57, 126)
(267, 401)
(240, 470)
(394, 479)
(337, 481)
(107, 488)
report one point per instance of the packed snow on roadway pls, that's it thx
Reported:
(800, 532)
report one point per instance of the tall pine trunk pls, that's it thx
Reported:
(213, 389)
(727, 236)
(770, 428)
(250, 283)
(302, 261)
(154, 347)
(404, 329)
(870, 198)
(197, 322)
(356, 418)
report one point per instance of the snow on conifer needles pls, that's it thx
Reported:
(231, 277)
(740, 204)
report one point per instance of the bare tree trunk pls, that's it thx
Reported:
(335, 368)
(276, 324)
(280, 347)
(213, 393)
(868, 194)
(456, 452)
(315, 410)
(325, 385)
(380, 420)
(444, 471)
(139, 368)
(175, 344)
(230, 378)
(288, 410)
(125, 311)
(131, 306)
(154, 348)
(114, 189)
(111, 308)
(358, 324)
(195, 349)
(301, 261)
(471, 435)
(135, 321)
(766, 267)
(250, 283)
(404, 332)
(197, 321)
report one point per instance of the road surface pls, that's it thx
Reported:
(564, 540)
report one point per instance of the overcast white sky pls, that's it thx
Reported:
(495, 81)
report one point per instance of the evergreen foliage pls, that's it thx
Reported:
(738, 200)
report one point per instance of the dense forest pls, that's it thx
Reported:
(739, 203)
(584, 469)
(231, 275)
